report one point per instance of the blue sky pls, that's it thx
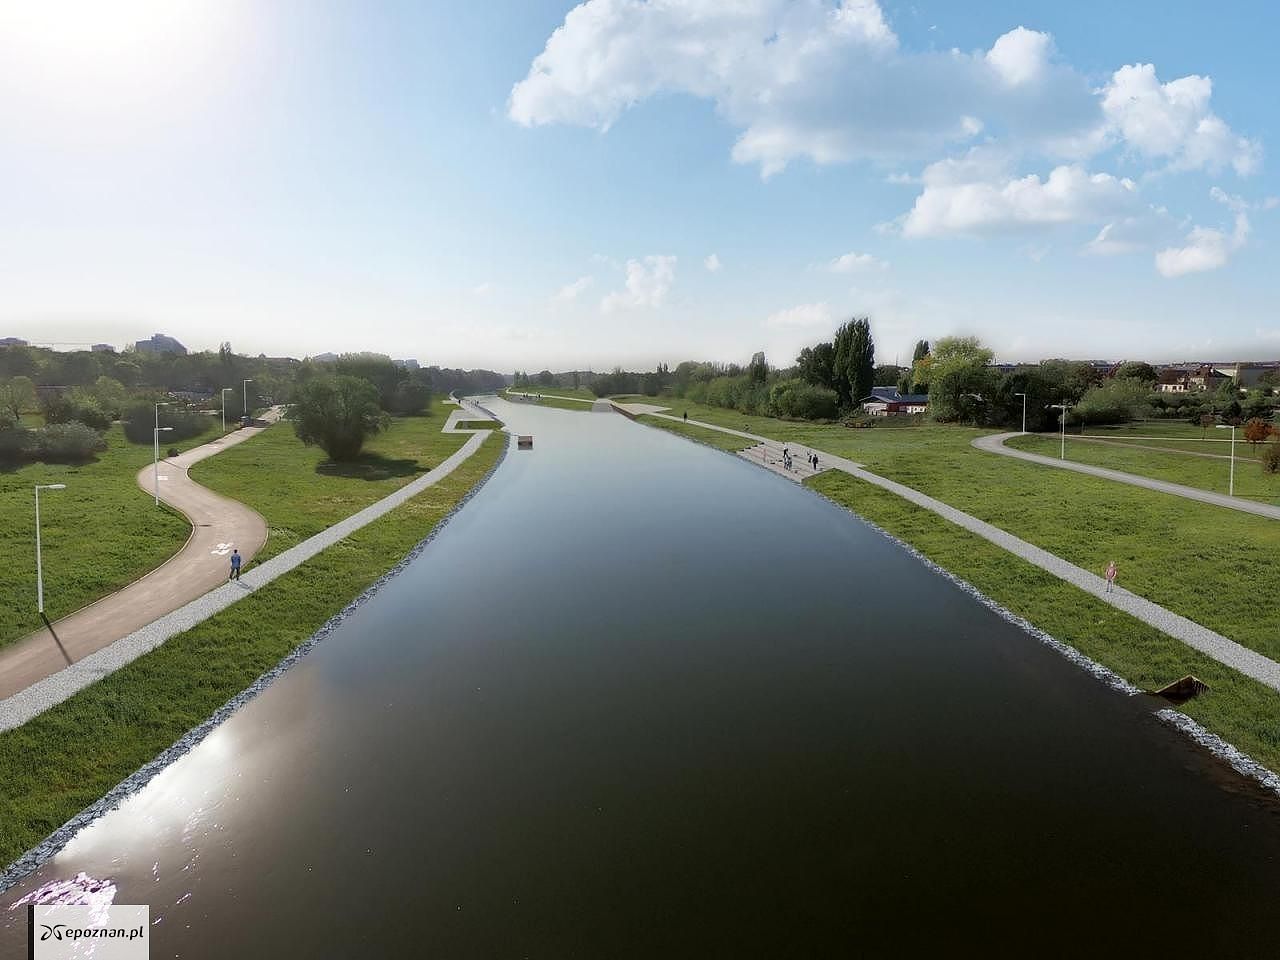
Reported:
(450, 182)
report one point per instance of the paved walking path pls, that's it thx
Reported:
(994, 443)
(56, 686)
(218, 524)
(1215, 645)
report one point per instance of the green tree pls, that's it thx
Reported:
(816, 365)
(1136, 370)
(17, 395)
(758, 369)
(337, 413)
(855, 359)
(961, 380)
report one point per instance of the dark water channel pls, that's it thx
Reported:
(640, 699)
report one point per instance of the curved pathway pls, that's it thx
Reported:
(994, 443)
(1220, 648)
(60, 680)
(218, 524)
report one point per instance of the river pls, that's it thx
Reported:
(640, 698)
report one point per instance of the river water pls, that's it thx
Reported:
(642, 699)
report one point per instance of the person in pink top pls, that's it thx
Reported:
(1111, 576)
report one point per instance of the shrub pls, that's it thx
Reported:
(72, 442)
(17, 444)
(410, 398)
(801, 400)
(76, 406)
(139, 421)
(1271, 457)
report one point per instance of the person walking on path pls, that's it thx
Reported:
(235, 565)
(686, 416)
(1111, 576)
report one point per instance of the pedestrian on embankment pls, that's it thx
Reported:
(1111, 576)
(235, 565)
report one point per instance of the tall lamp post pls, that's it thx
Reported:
(39, 567)
(1024, 410)
(225, 391)
(1231, 484)
(245, 387)
(155, 454)
(1062, 455)
(156, 462)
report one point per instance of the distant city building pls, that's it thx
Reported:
(406, 364)
(12, 342)
(103, 348)
(325, 357)
(160, 343)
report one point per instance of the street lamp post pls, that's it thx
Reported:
(156, 462)
(225, 391)
(1231, 484)
(245, 400)
(1024, 410)
(1062, 455)
(39, 567)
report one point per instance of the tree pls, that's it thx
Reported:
(411, 398)
(1117, 400)
(920, 352)
(961, 380)
(816, 365)
(855, 360)
(337, 413)
(920, 363)
(888, 375)
(1136, 370)
(1256, 431)
(17, 395)
(758, 369)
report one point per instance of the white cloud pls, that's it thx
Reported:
(1207, 248)
(1172, 121)
(1132, 233)
(1068, 195)
(647, 284)
(856, 262)
(1020, 56)
(570, 291)
(803, 315)
(712, 263)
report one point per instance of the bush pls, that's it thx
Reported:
(410, 398)
(803, 401)
(139, 421)
(76, 406)
(337, 413)
(72, 442)
(17, 445)
(1271, 457)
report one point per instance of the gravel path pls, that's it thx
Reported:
(1215, 645)
(994, 443)
(29, 702)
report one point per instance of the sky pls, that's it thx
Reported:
(623, 182)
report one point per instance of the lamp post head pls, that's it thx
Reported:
(51, 486)
(163, 429)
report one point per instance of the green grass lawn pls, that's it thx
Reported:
(1207, 563)
(582, 393)
(92, 741)
(98, 535)
(1240, 710)
(1136, 456)
(714, 438)
(299, 492)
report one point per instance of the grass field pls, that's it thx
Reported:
(299, 492)
(1207, 563)
(98, 535)
(578, 400)
(714, 438)
(91, 742)
(1187, 464)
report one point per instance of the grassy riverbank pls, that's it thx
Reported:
(1242, 711)
(99, 534)
(562, 399)
(101, 735)
(1195, 464)
(1207, 563)
(299, 492)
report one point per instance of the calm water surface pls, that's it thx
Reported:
(640, 699)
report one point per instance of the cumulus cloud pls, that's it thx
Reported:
(1020, 56)
(647, 283)
(570, 291)
(1207, 248)
(1172, 121)
(856, 263)
(712, 263)
(802, 315)
(952, 203)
